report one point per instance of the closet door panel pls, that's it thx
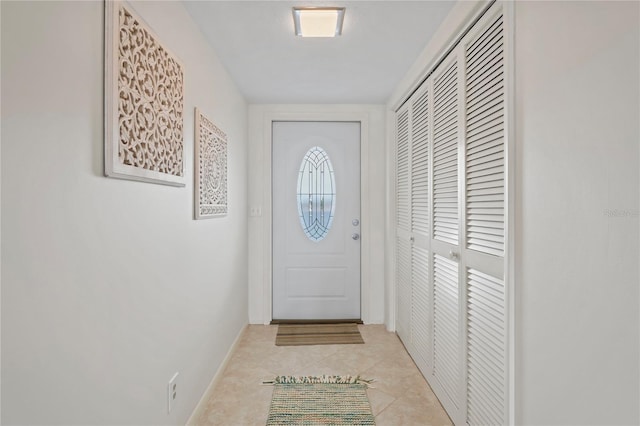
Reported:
(448, 296)
(403, 214)
(445, 155)
(420, 145)
(485, 202)
(446, 341)
(403, 225)
(403, 279)
(420, 219)
(421, 322)
(485, 153)
(486, 357)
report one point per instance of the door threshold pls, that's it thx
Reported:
(321, 321)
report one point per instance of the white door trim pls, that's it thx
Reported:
(510, 203)
(267, 284)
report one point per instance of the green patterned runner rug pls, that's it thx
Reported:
(322, 400)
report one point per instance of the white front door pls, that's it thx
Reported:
(316, 220)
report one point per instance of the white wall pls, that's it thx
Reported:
(577, 136)
(108, 286)
(373, 195)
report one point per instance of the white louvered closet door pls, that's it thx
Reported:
(447, 337)
(421, 301)
(403, 220)
(484, 219)
(451, 228)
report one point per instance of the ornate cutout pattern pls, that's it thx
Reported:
(145, 99)
(211, 166)
(316, 196)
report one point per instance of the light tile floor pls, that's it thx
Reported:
(399, 396)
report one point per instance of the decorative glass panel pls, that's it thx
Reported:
(316, 194)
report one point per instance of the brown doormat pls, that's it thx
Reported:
(318, 334)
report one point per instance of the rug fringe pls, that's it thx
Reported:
(289, 380)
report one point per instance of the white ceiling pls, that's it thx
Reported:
(256, 43)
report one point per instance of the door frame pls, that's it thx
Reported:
(365, 244)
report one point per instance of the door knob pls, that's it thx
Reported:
(355, 222)
(355, 236)
(454, 255)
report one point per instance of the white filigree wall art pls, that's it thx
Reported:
(210, 169)
(144, 99)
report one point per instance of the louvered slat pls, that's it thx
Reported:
(486, 37)
(485, 141)
(402, 189)
(421, 301)
(420, 164)
(403, 282)
(486, 358)
(445, 326)
(445, 156)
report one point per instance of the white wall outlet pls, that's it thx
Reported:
(172, 392)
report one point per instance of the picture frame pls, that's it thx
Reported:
(210, 176)
(144, 102)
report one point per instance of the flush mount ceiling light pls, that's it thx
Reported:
(318, 21)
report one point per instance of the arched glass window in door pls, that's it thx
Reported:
(316, 194)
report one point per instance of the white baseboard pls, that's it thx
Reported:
(197, 412)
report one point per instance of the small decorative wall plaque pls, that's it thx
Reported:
(144, 98)
(210, 169)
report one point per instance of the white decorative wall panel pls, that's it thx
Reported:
(210, 169)
(144, 98)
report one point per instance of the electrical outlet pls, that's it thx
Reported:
(172, 392)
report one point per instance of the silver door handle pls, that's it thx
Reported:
(454, 255)
(355, 236)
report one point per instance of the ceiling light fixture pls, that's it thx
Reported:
(318, 21)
